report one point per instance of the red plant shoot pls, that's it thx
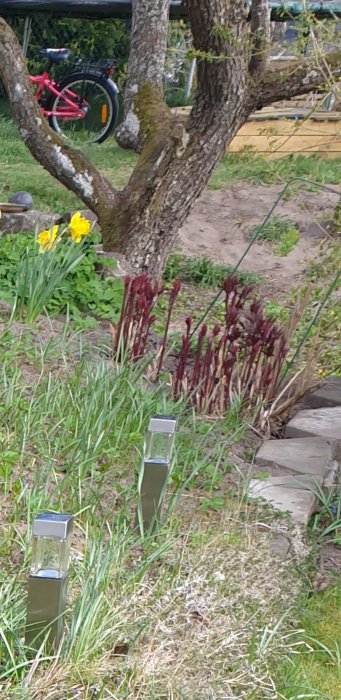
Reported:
(243, 357)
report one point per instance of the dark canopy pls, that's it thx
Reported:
(101, 9)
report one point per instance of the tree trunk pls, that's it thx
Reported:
(146, 64)
(152, 231)
(260, 35)
(189, 151)
(141, 221)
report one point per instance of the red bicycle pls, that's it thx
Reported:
(83, 105)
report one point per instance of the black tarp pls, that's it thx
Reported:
(97, 9)
(101, 9)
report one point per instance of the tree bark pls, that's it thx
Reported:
(260, 35)
(146, 64)
(300, 78)
(219, 110)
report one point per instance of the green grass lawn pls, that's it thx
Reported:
(19, 171)
(316, 673)
(117, 165)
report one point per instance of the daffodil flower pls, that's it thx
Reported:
(47, 238)
(78, 227)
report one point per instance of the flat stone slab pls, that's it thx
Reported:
(313, 455)
(27, 221)
(319, 422)
(287, 495)
(327, 396)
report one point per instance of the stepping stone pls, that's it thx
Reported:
(326, 396)
(288, 494)
(323, 422)
(302, 455)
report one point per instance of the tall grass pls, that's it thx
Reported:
(145, 618)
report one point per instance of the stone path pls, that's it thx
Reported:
(325, 422)
(307, 460)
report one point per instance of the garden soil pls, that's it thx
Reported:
(221, 221)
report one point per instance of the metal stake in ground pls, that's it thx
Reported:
(47, 586)
(154, 472)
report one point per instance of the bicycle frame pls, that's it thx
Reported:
(70, 111)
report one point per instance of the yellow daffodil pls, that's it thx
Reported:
(46, 239)
(78, 227)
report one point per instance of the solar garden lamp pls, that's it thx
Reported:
(153, 477)
(47, 586)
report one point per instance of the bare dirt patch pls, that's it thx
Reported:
(221, 221)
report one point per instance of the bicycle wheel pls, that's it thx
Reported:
(98, 100)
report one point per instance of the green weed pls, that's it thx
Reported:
(287, 243)
(279, 230)
(202, 271)
(274, 229)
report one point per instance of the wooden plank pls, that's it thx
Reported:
(276, 133)
(278, 138)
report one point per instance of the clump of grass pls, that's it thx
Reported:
(327, 264)
(287, 242)
(279, 230)
(326, 524)
(336, 223)
(202, 271)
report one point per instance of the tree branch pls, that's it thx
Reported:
(260, 32)
(66, 164)
(220, 34)
(299, 78)
(145, 66)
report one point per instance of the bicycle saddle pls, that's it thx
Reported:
(55, 55)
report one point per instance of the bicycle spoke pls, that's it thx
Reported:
(96, 105)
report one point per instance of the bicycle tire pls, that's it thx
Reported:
(90, 77)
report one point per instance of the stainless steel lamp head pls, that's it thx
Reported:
(162, 424)
(52, 525)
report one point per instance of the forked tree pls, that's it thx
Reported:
(234, 78)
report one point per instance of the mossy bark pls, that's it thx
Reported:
(146, 65)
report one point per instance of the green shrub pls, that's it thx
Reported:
(96, 39)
